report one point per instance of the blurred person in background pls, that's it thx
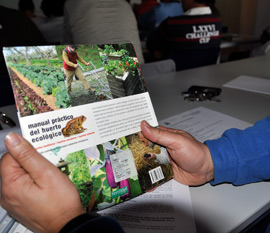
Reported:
(149, 21)
(28, 8)
(192, 39)
(53, 28)
(264, 49)
(144, 7)
(101, 22)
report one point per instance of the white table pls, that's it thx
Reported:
(222, 208)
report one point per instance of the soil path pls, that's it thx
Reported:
(50, 100)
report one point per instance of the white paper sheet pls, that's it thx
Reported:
(249, 83)
(166, 209)
(204, 124)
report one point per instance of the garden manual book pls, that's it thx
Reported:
(81, 107)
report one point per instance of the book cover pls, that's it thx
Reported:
(81, 106)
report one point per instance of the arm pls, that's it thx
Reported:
(242, 156)
(82, 61)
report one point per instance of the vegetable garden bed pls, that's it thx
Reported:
(27, 101)
(49, 80)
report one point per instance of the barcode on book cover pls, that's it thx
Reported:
(156, 175)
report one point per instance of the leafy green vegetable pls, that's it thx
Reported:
(80, 175)
(48, 84)
(62, 98)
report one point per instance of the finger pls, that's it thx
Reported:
(11, 174)
(9, 167)
(158, 135)
(171, 129)
(26, 156)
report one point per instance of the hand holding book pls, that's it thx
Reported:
(190, 159)
(34, 191)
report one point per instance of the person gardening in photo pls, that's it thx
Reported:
(71, 68)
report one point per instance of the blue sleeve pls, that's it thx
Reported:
(242, 156)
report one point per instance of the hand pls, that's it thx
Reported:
(76, 65)
(88, 64)
(190, 159)
(34, 191)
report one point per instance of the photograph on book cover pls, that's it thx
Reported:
(115, 171)
(48, 78)
(81, 106)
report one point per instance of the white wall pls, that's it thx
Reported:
(248, 16)
(229, 13)
(245, 16)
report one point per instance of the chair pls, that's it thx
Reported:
(158, 67)
(188, 59)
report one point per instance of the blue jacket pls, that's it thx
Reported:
(242, 156)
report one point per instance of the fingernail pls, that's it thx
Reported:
(146, 124)
(12, 139)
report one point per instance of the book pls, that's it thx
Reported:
(81, 106)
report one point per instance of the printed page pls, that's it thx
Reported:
(203, 123)
(101, 122)
(166, 209)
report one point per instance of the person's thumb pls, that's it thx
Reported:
(26, 156)
(157, 135)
